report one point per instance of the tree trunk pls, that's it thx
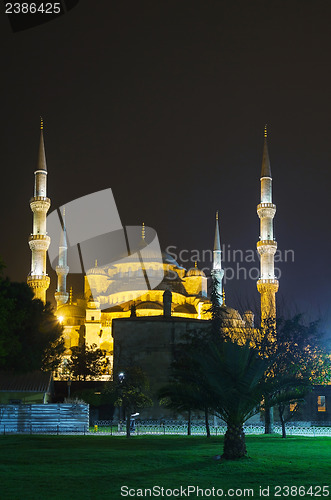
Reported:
(234, 442)
(281, 409)
(269, 420)
(207, 423)
(128, 415)
(189, 423)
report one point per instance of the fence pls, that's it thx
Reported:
(49, 418)
(199, 429)
(73, 419)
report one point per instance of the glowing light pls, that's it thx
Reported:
(60, 318)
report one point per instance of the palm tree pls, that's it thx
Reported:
(234, 380)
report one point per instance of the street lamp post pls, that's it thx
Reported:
(69, 386)
(121, 377)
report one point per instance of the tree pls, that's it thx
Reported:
(185, 390)
(234, 380)
(298, 362)
(87, 362)
(190, 386)
(30, 335)
(180, 397)
(131, 392)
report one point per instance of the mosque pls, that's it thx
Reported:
(115, 290)
(139, 305)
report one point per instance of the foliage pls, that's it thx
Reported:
(131, 392)
(219, 314)
(300, 352)
(298, 361)
(105, 395)
(185, 392)
(218, 374)
(87, 362)
(234, 376)
(30, 335)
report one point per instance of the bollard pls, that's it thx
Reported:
(95, 428)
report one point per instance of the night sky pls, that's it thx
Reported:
(165, 102)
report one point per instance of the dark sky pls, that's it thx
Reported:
(165, 102)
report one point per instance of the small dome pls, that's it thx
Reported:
(185, 309)
(149, 305)
(96, 270)
(194, 271)
(71, 310)
(230, 313)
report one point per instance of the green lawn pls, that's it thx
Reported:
(95, 467)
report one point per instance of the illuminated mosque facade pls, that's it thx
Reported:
(112, 291)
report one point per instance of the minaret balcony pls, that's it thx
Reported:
(39, 241)
(38, 280)
(62, 270)
(40, 204)
(266, 205)
(266, 246)
(267, 285)
(61, 297)
(266, 210)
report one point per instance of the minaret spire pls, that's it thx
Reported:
(265, 170)
(217, 241)
(39, 242)
(267, 285)
(217, 271)
(41, 156)
(62, 269)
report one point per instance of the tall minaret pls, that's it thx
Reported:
(39, 242)
(217, 271)
(62, 269)
(267, 285)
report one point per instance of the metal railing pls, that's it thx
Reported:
(199, 429)
(168, 428)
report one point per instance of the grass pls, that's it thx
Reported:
(95, 467)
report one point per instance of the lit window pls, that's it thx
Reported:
(321, 403)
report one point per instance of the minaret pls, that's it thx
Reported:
(39, 242)
(267, 285)
(217, 271)
(62, 269)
